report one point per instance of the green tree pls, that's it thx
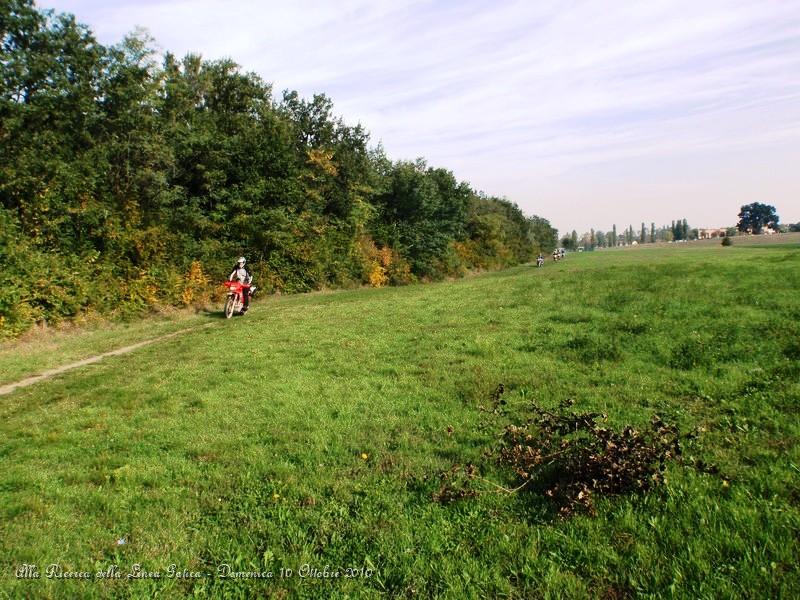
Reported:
(543, 236)
(753, 218)
(51, 69)
(602, 239)
(420, 213)
(156, 167)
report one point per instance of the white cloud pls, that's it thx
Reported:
(524, 96)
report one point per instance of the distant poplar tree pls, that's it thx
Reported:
(679, 229)
(574, 239)
(592, 239)
(614, 235)
(652, 233)
(685, 230)
(643, 235)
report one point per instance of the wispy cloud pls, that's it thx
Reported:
(534, 100)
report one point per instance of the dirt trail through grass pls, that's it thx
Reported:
(8, 388)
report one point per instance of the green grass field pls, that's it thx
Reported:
(311, 432)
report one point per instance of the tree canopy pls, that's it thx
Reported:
(129, 181)
(753, 218)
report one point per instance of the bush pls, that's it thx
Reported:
(726, 241)
(573, 459)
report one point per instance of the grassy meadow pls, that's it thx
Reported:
(309, 435)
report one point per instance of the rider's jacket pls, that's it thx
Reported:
(240, 273)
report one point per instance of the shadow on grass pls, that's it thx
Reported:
(217, 314)
(532, 505)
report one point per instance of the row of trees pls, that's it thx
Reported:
(678, 230)
(127, 181)
(753, 219)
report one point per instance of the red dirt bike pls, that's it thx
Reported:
(235, 301)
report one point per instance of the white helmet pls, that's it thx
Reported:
(241, 260)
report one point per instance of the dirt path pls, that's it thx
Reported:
(8, 388)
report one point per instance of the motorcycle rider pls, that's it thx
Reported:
(243, 275)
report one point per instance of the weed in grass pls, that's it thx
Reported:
(457, 483)
(699, 350)
(592, 348)
(792, 350)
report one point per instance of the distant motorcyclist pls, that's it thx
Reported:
(539, 260)
(242, 274)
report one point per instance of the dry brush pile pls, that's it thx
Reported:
(572, 458)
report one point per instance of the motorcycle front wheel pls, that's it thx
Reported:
(230, 306)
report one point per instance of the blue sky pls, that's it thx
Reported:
(586, 113)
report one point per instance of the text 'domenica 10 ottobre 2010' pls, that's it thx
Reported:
(55, 571)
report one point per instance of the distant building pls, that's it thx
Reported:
(707, 234)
